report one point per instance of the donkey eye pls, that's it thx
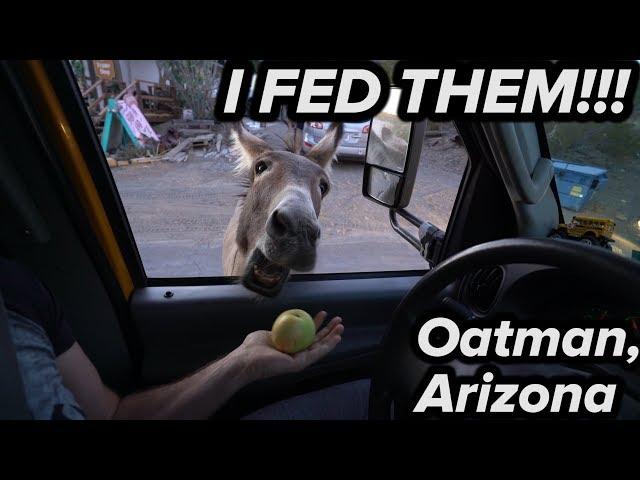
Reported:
(323, 188)
(261, 167)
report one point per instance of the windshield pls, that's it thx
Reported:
(597, 167)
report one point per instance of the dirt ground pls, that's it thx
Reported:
(179, 211)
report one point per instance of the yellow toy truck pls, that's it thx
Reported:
(589, 230)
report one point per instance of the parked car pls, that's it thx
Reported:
(354, 140)
(252, 125)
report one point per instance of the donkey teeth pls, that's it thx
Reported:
(268, 280)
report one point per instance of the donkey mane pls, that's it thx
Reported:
(244, 183)
(290, 142)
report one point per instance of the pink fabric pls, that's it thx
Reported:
(136, 120)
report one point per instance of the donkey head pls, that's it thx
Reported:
(278, 226)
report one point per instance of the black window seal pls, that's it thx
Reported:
(546, 153)
(463, 129)
(70, 97)
(299, 277)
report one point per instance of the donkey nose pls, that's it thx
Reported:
(312, 231)
(280, 223)
(284, 222)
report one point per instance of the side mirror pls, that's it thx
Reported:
(390, 168)
(393, 154)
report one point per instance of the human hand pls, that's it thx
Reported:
(262, 360)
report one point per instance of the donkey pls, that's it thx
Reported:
(275, 228)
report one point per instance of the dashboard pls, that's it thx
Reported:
(541, 293)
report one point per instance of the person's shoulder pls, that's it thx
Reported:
(15, 276)
(12, 267)
(27, 296)
(23, 292)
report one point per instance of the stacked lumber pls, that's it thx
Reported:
(202, 141)
(178, 153)
(193, 124)
(113, 163)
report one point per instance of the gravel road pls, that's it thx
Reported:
(179, 211)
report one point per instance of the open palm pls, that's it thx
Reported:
(265, 361)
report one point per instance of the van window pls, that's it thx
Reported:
(173, 165)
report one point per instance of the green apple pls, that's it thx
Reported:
(293, 331)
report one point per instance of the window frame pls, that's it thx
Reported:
(545, 151)
(63, 78)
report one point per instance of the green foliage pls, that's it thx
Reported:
(78, 71)
(194, 82)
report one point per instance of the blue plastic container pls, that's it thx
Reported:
(577, 183)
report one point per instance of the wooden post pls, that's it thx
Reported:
(92, 88)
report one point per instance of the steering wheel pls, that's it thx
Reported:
(400, 371)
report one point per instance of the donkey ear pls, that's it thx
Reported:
(247, 146)
(324, 151)
(293, 139)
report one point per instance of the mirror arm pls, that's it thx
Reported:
(431, 237)
(401, 231)
(410, 217)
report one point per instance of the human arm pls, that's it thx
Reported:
(200, 394)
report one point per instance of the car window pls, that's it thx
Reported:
(173, 165)
(597, 168)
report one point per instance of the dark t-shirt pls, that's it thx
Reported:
(40, 334)
(27, 296)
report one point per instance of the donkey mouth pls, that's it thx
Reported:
(264, 276)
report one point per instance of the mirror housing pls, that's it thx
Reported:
(390, 169)
(392, 157)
